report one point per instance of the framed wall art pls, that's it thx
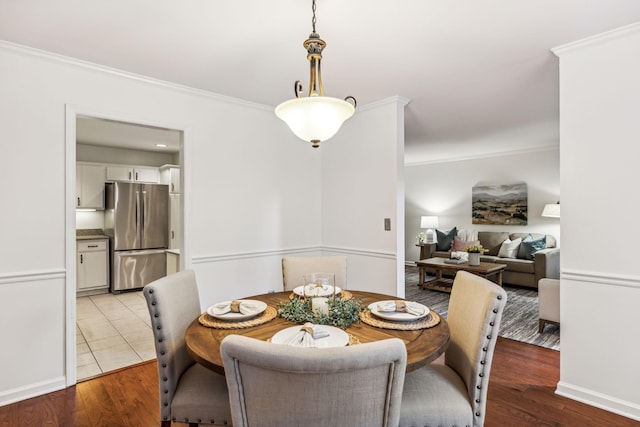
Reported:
(504, 204)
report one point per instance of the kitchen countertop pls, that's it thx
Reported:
(92, 237)
(90, 234)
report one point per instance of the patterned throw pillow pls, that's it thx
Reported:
(445, 239)
(530, 246)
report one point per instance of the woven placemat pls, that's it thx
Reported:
(426, 322)
(269, 314)
(344, 295)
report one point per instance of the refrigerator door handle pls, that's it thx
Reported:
(143, 215)
(138, 217)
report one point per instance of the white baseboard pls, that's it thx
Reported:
(599, 400)
(32, 390)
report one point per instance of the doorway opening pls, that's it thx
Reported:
(108, 331)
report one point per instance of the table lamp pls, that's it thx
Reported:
(429, 222)
(551, 210)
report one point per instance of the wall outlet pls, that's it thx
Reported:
(387, 224)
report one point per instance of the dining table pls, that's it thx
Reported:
(423, 345)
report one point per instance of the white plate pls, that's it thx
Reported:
(316, 292)
(397, 316)
(337, 337)
(238, 316)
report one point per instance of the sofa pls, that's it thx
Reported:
(521, 269)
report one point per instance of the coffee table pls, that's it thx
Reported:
(488, 270)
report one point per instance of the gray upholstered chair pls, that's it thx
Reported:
(293, 268)
(548, 303)
(189, 392)
(278, 385)
(455, 393)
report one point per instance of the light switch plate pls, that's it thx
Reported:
(387, 224)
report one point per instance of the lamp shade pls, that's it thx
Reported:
(428, 221)
(315, 118)
(551, 210)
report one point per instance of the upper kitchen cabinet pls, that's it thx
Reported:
(90, 186)
(133, 174)
(170, 175)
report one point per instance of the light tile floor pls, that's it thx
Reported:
(112, 331)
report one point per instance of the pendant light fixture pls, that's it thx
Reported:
(315, 118)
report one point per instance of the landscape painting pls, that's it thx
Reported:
(499, 204)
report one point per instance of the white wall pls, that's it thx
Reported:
(251, 195)
(444, 189)
(600, 290)
(362, 184)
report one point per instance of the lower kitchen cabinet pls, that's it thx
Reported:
(173, 261)
(92, 267)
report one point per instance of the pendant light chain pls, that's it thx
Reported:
(313, 20)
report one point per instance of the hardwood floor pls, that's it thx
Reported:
(521, 393)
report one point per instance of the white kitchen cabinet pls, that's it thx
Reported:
(170, 175)
(92, 266)
(133, 174)
(173, 262)
(90, 186)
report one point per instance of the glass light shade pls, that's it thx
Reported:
(428, 221)
(315, 118)
(551, 210)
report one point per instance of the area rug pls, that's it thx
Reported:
(519, 320)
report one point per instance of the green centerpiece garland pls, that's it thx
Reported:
(342, 313)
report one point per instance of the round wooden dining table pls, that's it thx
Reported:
(423, 345)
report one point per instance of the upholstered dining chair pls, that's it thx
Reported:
(279, 385)
(189, 392)
(293, 268)
(455, 393)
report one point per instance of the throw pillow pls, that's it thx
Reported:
(445, 239)
(530, 246)
(460, 245)
(509, 248)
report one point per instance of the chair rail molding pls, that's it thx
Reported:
(32, 276)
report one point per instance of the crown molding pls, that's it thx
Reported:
(597, 39)
(486, 155)
(54, 57)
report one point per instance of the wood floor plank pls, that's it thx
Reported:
(521, 394)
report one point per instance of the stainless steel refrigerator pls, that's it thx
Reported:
(137, 223)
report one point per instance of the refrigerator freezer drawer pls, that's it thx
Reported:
(134, 269)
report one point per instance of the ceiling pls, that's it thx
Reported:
(110, 133)
(479, 74)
